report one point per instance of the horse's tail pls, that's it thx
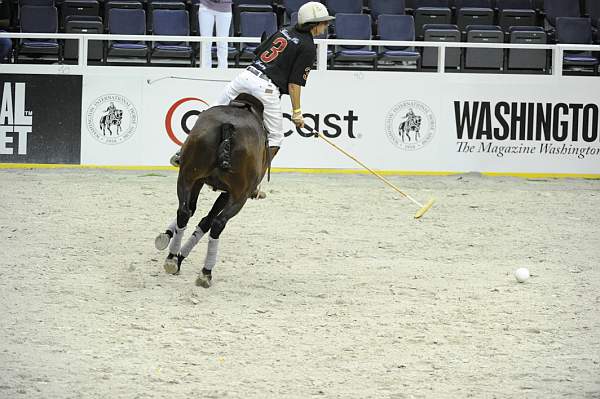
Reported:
(224, 150)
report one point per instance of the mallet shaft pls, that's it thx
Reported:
(383, 179)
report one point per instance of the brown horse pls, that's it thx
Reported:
(227, 150)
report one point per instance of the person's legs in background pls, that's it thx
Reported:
(206, 21)
(223, 20)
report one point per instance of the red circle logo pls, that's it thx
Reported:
(182, 116)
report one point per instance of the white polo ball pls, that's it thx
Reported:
(522, 274)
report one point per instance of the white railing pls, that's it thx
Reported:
(322, 46)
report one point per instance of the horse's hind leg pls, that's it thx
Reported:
(162, 240)
(204, 225)
(187, 194)
(216, 228)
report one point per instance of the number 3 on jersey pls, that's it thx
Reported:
(269, 55)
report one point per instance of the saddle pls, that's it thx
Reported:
(251, 103)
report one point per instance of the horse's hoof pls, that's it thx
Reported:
(258, 194)
(204, 280)
(162, 241)
(172, 265)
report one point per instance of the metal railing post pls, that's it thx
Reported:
(81, 49)
(557, 61)
(321, 56)
(441, 61)
(83, 53)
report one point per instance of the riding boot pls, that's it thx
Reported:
(176, 159)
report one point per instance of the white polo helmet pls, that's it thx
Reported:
(313, 11)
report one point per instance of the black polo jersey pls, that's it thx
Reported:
(286, 57)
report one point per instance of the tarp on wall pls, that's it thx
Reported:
(40, 118)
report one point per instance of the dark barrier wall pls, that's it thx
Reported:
(40, 118)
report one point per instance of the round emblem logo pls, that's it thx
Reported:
(410, 125)
(182, 116)
(111, 119)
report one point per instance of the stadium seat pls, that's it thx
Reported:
(429, 12)
(473, 12)
(354, 27)
(39, 19)
(172, 23)
(153, 5)
(401, 28)
(484, 58)
(390, 7)
(515, 13)
(121, 4)
(592, 9)
(344, 6)
(441, 33)
(559, 8)
(254, 24)
(290, 7)
(88, 25)
(125, 21)
(576, 31)
(240, 6)
(41, 3)
(527, 59)
(70, 8)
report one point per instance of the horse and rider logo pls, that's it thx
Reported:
(111, 119)
(410, 125)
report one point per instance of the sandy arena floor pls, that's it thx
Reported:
(328, 288)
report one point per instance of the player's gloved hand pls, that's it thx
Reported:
(298, 119)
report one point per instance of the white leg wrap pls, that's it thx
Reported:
(211, 254)
(175, 244)
(191, 242)
(172, 226)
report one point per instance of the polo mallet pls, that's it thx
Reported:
(422, 207)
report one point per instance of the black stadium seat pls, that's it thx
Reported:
(354, 27)
(90, 8)
(527, 59)
(441, 33)
(124, 21)
(172, 23)
(86, 25)
(400, 28)
(473, 12)
(484, 58)
(39, 19)
(431, 12)
(515, 13)
(576, 31)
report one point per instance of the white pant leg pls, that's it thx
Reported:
(267, 93)
(223, 20)
(206, 21)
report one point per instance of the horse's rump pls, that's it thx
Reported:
(248, 148)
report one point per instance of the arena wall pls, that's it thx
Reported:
(393, 121)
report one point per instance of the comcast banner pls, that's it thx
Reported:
(421, 122)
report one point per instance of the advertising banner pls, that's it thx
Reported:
(423, 122)
(40, 119)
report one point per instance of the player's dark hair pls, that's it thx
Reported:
(306, 27)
